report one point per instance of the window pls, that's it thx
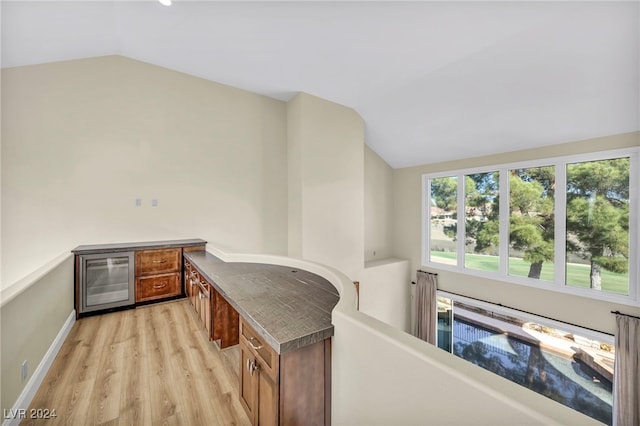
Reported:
(444, 219)
(481, 221)
(568, 224)
(571, 366)
(532, 222)
(598, 225)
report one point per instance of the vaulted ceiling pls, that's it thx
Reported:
(434, 81)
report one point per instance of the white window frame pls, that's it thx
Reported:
(548, 322)
(558, 285)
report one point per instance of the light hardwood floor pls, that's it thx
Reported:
(145, 366)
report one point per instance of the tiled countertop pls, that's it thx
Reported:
(290, 308)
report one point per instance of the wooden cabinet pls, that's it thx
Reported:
(158, 287)
(191, 278)
(288, 389)
(158, 274)
(155, 268)
(259, 374)
(248, 383)
(216, 314)
(150, 262)
(204, 306)
(199, 293)
(305, 385)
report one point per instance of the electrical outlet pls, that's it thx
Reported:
(24, 370)
(138, 202)
(154, 202)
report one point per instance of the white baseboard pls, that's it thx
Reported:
(30, 389)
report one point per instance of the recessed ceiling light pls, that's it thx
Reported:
(165, 2)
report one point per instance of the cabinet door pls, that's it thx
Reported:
(204, 299)
(188, 273)
(195, 297)
(248, 384)
(267, 400)
(193, 290)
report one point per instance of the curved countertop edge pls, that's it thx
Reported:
(205, 263)
(346, 290)
(338, 279)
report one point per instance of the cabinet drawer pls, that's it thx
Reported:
(158, 287)
(150, 262)
(267, 357)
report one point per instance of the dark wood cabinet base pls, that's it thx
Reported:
(157, 266)
(292, 388)
(158, 287)
(278, 385)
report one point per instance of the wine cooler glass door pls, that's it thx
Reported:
(107, 281)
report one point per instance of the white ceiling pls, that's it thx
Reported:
(434, 81)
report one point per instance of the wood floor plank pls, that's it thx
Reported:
(107, 386)
(134, 403)
(190, 401)
(148, 366)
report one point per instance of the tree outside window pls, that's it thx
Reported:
(598, 225)
(532, 222)
(595, 210)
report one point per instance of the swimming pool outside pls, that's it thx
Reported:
(559, 366)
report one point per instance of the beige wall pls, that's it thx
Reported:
(29, 323)
(384, 292)
(378, 223)
(81, 140)
(295, 140)
(326, 168)
(407, 240)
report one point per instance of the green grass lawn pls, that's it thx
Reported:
(577, 275)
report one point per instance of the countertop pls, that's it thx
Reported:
(289, 307)
(120, 247)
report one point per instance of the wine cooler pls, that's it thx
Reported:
(106, 281)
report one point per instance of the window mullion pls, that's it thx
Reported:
(560, 232)
(426, 220)
(461, 229)
(504, 221)
(634, 226)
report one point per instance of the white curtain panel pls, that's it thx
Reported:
(425, 307)
(626, 383)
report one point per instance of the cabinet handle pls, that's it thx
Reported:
(160, 285)
(248, 365)
(253, 366)
(160, 261)
(254, 346)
